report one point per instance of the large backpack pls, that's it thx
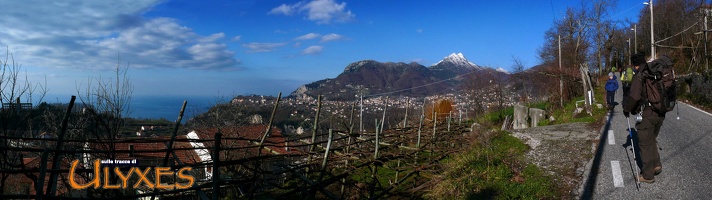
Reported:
(659, 85)
(627, 75)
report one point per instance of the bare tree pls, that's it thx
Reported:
(522, 80)
(104, 106)
(15, 121)
(602, 32)
(108, 101)
(572, 35)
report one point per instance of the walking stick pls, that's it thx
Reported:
(632, 145)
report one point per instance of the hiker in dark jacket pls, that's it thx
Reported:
(649, 128)
(611, 87)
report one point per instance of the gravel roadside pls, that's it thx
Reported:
(563, 151)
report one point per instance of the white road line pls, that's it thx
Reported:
(617, 175)
(611, 138)
(693, 107)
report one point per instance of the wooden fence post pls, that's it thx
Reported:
(348, 145)
(420, 126)
(459, 121)
(326, 155)
(216, 166)
(385, 107)
(57, 154)
(269, 125)
(375, 152)
(316, 128)
(435, 125)
(173, 136)
(448, 121)
(39, 185)
(169, 146)
(405, 119)
(361, 116)
(316, 125)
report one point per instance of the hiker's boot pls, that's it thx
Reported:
(643, 180)
(658, 170)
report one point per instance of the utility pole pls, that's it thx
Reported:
(652, 32)
(707, 63)
(561, 80)
(635, 38)
(706, 13)
(629, 55)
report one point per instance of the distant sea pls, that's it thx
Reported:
(157, 107)
(168, 107)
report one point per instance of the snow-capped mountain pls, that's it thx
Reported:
(370, 77)
(453, 65)
(457, 59)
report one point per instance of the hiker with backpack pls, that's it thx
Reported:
(611, 88)
(652, 90)
(627, 77)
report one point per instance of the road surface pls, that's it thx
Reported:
(686, 156)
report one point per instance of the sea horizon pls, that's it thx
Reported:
(157, 106)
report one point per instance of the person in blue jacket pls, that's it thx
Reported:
(611, 88)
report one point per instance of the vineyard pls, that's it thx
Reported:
(253, 162)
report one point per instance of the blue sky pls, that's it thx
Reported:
(232, 47)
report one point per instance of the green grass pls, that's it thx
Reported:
(496, 117)
(384, 175)
(494, 169)
(565, 114)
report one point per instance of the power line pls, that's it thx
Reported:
(420, 86)
(636, 5)
(688, 28)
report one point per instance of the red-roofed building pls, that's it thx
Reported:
(25, 183)
(243, 142)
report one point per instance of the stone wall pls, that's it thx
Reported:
(523, 116)
(520, 117)
(536, 115)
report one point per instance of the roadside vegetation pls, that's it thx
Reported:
(494, 168)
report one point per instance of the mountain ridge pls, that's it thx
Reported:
(370, 77)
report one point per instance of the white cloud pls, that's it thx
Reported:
(285, 9)
(255, 47)
(90, 34)
(331, 37)
(312, 50)
(320, 11)
(308, 36)
(213, 37)
(236, 38)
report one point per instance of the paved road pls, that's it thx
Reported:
(686, 156)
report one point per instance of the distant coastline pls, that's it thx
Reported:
(157, 107)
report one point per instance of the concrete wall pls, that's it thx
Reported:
(536, 115)
(520, 117)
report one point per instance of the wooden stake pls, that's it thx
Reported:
(57, 154)
(405, 119)
(316, 124)
(216, 167)
(269, 125)
(385, 107)
(375, 152)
